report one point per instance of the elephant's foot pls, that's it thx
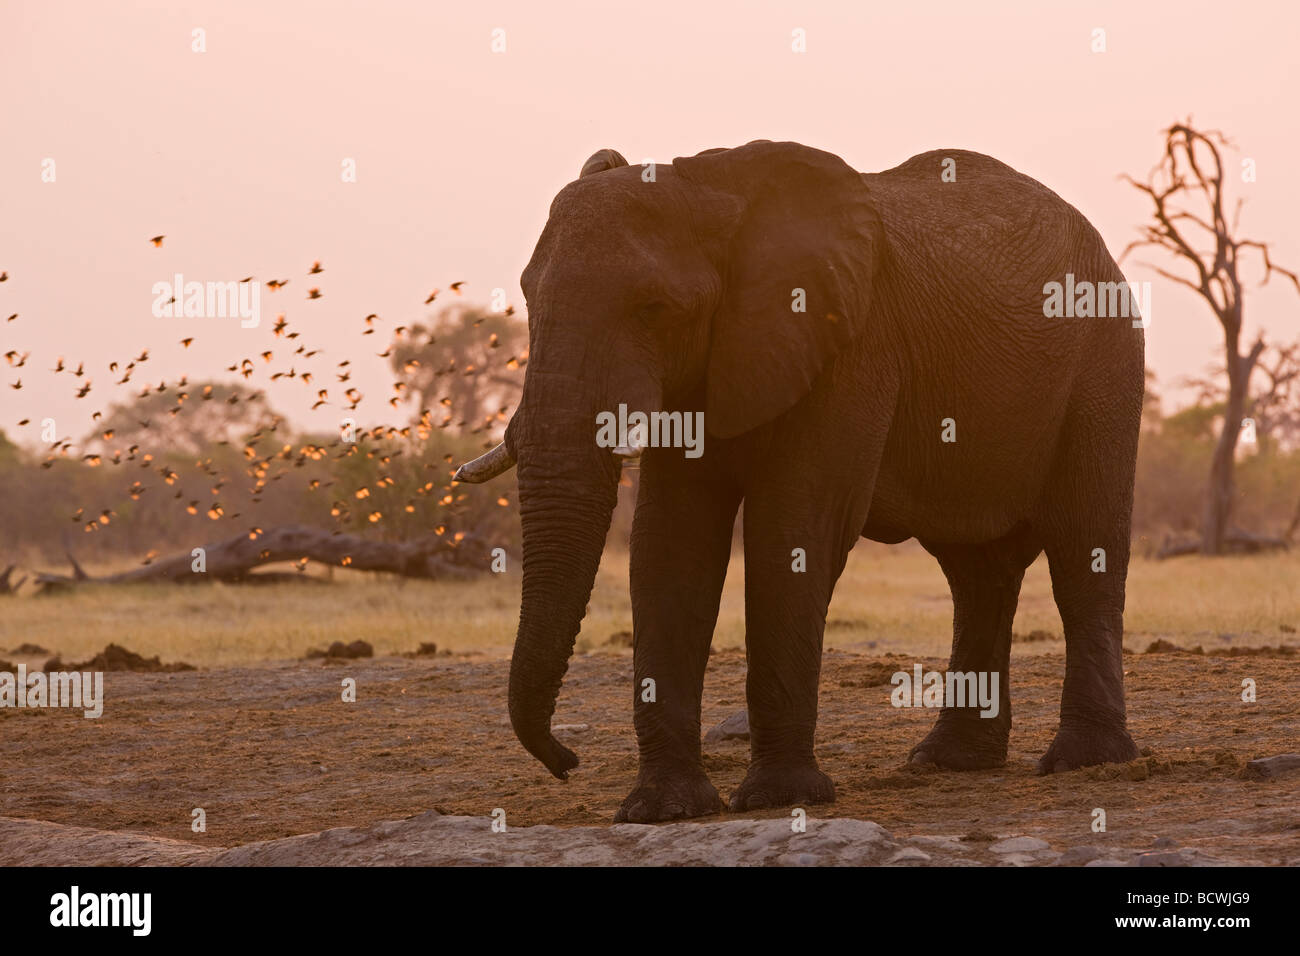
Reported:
(669, 795)
(1082, 745)
(782, 785)
(963, 743)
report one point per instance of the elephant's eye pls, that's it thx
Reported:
(653, 312)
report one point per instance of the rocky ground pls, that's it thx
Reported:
(416, 770)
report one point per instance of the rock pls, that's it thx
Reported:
(569, 728)
(1106, 862)
(1021, 844)
(1164, 843)
(941, 843)
(437, 838)
(908, 854)
(1184, 857)
(735, 727)
(1268, 768)
(1080, 855)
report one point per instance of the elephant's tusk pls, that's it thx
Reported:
(486, 467)
(630, 450)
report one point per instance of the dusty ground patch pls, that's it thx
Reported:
(272, 751)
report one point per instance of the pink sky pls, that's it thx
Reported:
(235, 154)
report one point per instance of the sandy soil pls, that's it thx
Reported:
(272, 751)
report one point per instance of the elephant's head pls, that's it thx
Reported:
(654, 290)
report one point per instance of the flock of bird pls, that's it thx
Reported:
(380, 443)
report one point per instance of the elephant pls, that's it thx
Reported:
(873, 356)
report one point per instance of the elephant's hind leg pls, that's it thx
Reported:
(1086, 527)
(985, 582)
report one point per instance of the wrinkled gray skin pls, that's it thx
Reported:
(924, 303)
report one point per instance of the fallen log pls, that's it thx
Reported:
(6, 587)
(1235, 542)
(233, 559)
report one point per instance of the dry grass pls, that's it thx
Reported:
(889, 599)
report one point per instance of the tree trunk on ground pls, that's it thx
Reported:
(1235, 541)
(234, 558)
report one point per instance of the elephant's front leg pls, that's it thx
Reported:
(794, 553)
(681, 540)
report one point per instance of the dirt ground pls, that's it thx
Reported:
(272, 750)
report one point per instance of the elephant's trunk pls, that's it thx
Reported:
(567, 491)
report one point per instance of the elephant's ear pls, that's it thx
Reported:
(798, 275)
(602, 160)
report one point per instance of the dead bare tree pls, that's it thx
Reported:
(1191, 172)
(1274, 406)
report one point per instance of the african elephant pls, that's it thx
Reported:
(923, 320)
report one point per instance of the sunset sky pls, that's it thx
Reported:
(235, 153)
